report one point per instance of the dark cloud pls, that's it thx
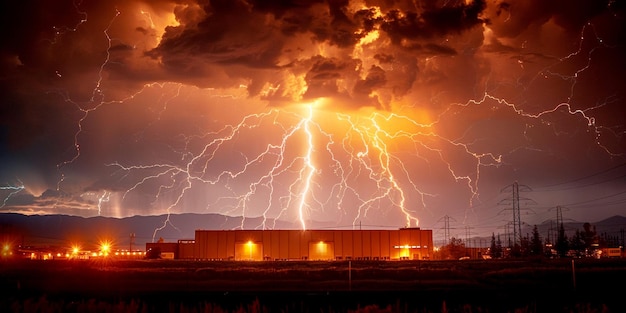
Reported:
(255, 36)
(374, 80)
(384, 58)
(570, 15)
(323, 75)
(29, 27)
(156, 105)
(432, 23)
(431, 49)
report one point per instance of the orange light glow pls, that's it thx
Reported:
(404, 253)
(105, 248)
(250, 248)
(6, 250)
(75, 249)
(322, 250)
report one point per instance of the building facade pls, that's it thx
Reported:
(269, 245)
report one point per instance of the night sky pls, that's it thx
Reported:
(321, 113)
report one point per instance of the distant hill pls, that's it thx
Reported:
(65, 230)
(612, 226)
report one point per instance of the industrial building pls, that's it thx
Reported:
(270, 245)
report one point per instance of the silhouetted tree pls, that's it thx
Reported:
(549, 248)
(499, 246)
(536, 246)
(492, 247)
(577, 243)
(454, 250)
(589, 236)
(562, 245)
(495, 248)
(517, 250)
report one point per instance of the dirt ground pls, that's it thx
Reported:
(331, 285)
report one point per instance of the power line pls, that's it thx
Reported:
(586, 177)
(601, 198)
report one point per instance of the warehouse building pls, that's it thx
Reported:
(269, 245)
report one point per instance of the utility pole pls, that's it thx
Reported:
(514, 201)
(550, 233)
(132, 241)
(468, 245)
(507, 233)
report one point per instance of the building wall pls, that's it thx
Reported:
(186, 249)
(257, 245)
(164, 248)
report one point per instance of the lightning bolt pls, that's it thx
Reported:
(346, 168)
(96, 92)
(105, 197)
(567, 105)
(309, 168)
(283, 172)
(372, 134)
(13, 190)
(62, 30)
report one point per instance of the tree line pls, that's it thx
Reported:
(584, 242)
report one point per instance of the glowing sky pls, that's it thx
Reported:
(376, 113)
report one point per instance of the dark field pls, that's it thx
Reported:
(359, 286)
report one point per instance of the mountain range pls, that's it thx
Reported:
(67, 230)
(134, 232)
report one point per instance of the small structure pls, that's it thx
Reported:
(162, 250)
(611, 253)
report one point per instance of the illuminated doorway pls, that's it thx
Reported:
(249, 251)
(321, 250)
(406, 252)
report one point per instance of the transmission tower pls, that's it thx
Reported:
(514, 201)
(468, 240)
(507, 233)
(551, 233)
(559, 216)
(132, 242)
(446, 229)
